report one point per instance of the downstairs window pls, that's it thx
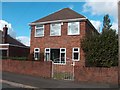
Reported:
(76, 54)
(36, 53)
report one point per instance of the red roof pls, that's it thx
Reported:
(63, 14)
(11, 40)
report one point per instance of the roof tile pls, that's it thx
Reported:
(63, 14)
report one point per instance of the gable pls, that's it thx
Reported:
(63, 14)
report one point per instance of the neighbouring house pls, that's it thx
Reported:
(57, 37)
(11, 47)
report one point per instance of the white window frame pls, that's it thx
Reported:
(45, 54)
(61, 53)
(73, 33)
(39, 28)
(51, 27)
(76, 52)
(37, 52)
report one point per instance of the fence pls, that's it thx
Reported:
(63, 71)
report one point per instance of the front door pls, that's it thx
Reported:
(55, 55)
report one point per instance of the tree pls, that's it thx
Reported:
(106, 23)
(102, 50)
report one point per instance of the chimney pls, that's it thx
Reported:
(5, 32)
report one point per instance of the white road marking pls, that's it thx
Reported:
(16, 84)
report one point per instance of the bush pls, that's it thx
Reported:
(101, 50)
(15, 58)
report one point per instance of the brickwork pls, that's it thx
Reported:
(16, 51)
(44, 69)
(63, 41)
(19, 51)
(33, 68)
(94, 74)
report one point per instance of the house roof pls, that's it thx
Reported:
(11, 40)
(63, 14)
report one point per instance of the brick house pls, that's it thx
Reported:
(10, 47)
(57, 37)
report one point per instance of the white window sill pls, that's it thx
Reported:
(75, 60)
(38, 36)
(73, 34)
(55, 35)
(60, 63)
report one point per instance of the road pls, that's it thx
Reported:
(12, 80)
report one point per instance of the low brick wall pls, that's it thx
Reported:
(35, 68)
(94, 74)
(44, 69)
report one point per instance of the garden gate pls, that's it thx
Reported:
(63, 71)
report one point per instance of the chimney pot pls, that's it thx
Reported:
(5, 32)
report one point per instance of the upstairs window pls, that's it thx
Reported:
(39, 31)
(55, 29)
(76, 54)
(36, 53)
(73, 28)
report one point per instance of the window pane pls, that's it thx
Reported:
(47, 56)
(47, 49)
(39, 32)
(36, 49)
(62, 49)
(75, 55)
(55, 29)
(73, 28)
(75, 49)
(39, 26)
(62, 57)
(36, 55)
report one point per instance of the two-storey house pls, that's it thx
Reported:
(57, 37)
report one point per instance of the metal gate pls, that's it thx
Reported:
(63, 71)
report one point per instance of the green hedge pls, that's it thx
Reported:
(14, 58)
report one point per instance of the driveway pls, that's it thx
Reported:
(39, 82)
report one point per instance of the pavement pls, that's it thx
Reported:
(12, 80)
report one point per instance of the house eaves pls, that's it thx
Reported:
(56, 21)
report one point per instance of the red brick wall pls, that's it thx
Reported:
(44, 69)
(15, 51)
(35, 68)
(63, 41)
(94, 74)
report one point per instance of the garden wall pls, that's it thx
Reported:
(44, 69)
(35, 68)
(97, 74)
